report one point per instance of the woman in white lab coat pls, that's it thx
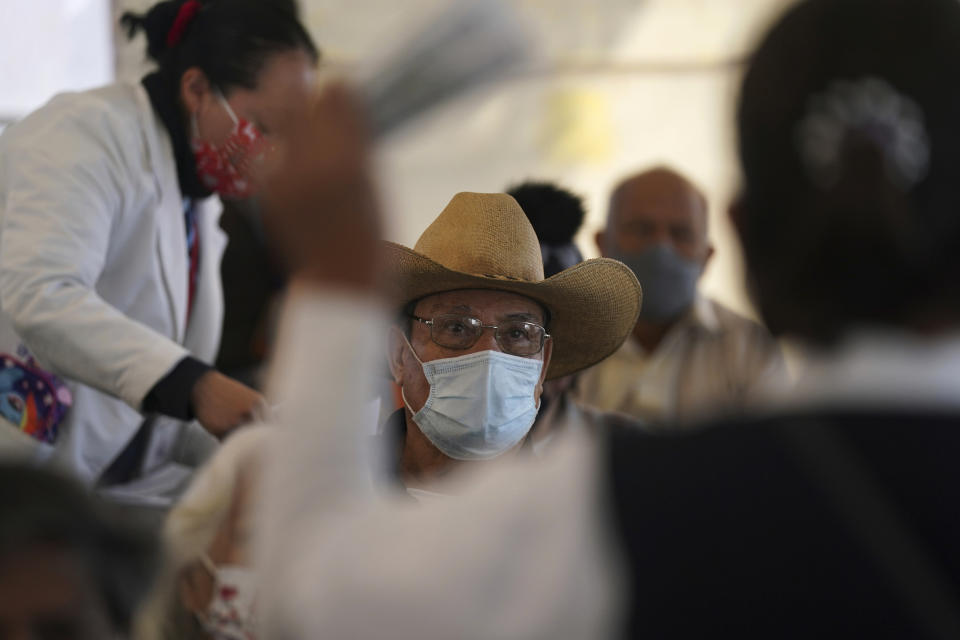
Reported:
(110, 297)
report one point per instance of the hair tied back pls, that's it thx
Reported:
(871, 108)
(188, 10)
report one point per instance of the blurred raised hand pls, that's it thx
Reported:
(319, 200)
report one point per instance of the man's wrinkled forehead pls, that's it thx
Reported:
(486, 304)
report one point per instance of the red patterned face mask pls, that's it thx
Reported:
(227, 168)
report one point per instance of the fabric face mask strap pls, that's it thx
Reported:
(195, 128)
(403, 396)
(208, 564)
(226, 105)
(410, 346)
(417, 358)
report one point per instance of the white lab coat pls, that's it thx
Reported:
(94, 267)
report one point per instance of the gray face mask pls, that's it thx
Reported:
(668, 279)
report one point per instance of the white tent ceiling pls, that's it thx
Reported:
(630, 33)
(701, 32)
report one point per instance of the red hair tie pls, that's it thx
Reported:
(186, 13)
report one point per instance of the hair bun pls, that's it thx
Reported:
(156, 24)
(228, 40)
(555, 213)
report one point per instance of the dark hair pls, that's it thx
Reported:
(859, 245)
(556, 215)
(40, 508)
(229, 40)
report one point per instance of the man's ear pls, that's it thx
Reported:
(709, 255)
(396, 346)
(600, 238)
(193, 87)
(737, 214)
(195, 587)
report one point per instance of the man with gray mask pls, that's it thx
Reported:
(689, 357)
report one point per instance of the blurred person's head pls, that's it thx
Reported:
(240, 73)
(556, 215)
(68, 569)
(481, 328)
(850, 213)
(207, 588)
(657, 225)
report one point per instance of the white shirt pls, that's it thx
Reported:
(712, 361)
(877, 369)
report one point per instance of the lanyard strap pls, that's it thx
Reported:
(897, 550)
(193, 252)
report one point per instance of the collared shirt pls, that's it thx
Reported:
(881, 370)
(711, 362)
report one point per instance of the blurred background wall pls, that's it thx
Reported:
(47, 46)
(620, 85)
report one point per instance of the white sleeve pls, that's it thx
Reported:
(521, 552)
(64, 189)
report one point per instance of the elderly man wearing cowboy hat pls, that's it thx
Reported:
(481, 329)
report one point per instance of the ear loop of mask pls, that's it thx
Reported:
(229, 109)
(208, 564)
(417, 358)
(195, 128)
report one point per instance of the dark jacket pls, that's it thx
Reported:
(798, 526)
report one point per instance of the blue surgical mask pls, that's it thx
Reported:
(668, 279)
(480, 404)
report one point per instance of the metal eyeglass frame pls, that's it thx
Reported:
(481, 326)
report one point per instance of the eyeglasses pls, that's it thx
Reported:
(516, 337)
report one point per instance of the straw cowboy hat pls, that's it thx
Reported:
(484, 241)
